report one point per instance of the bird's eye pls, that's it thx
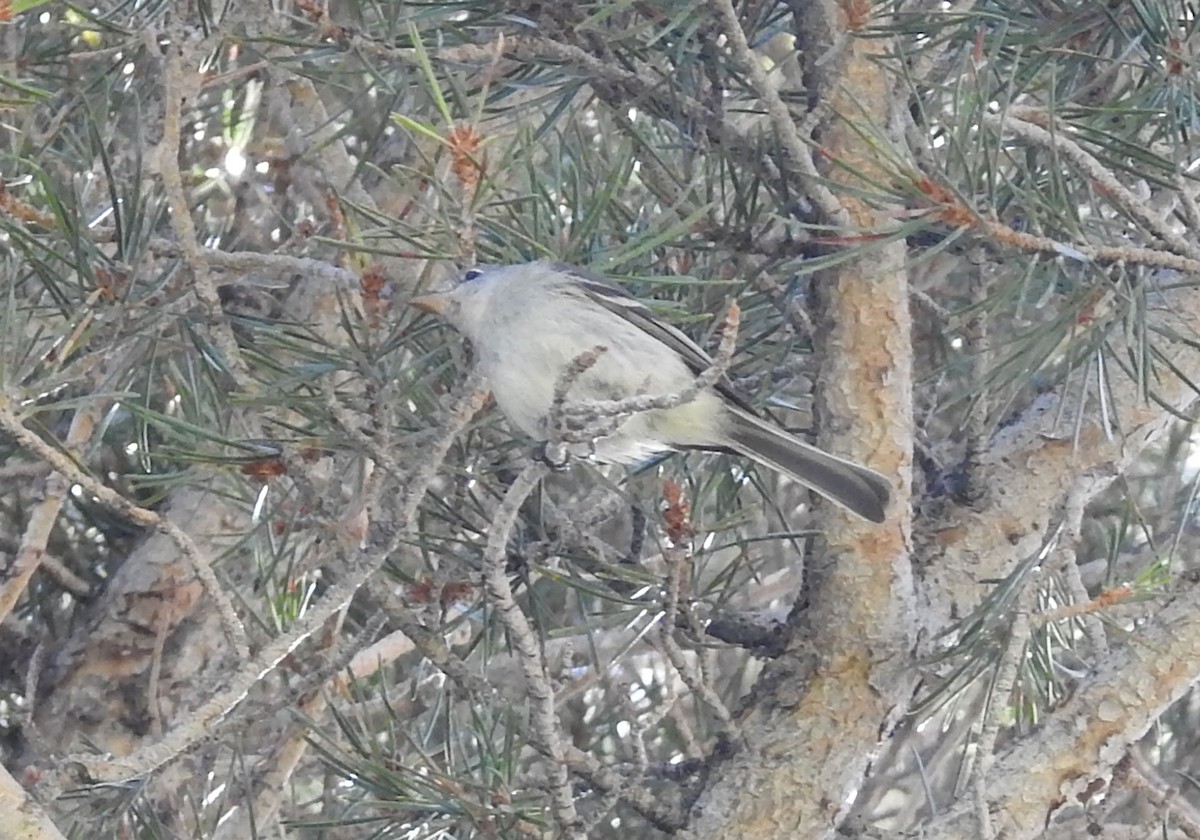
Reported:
(472, 274)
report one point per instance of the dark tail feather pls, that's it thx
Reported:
(860, 490)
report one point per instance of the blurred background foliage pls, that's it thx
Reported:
(336, 157)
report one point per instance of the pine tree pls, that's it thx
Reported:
(274, 566)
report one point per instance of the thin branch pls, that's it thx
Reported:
(201, 723)
(181, 87)
(979, 421)
(1140, 775)
(32, 552)
(545, 725)
(279, 264)
(590, 411)
(1066, 563)
(1014, 121)
(1083, 739)
(118, 504)
(272, 781)
(16, 472)
(677, 560)
(66, 578)
(799, 153)
(665, 813)
(1100, 254)
(999, 698)
(1186, 189)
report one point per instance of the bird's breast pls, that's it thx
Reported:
(625, 362)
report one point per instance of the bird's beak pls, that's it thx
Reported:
(435, 304)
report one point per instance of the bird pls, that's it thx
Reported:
(530, 322)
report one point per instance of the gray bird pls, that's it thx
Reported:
(529, 322)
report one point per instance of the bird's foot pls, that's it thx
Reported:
(554, 455)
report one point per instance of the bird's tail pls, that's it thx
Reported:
(860, 490)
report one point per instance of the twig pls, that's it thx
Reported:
(34, 540)
(117, 503)
(1104, 601)
(781, 242)
(272, 782)
(799, 153)
(979, 419)
(1187, 197)
(924, 64)
(287, 757)
(432, 644)
(33, 673)
(1066, 564)
(280, 264)
(153, 708)
(997, 709)
(1140, 775)
(471, 398)
(678, 556)
(66, 578)
(590, 411)
(600, 73)
(677, 560)
(1014, 121)
(202, 721)
(181, 88)
(665, 814)
(30, 469)
(1103, 254)
(617, 87)
(369, 660)
(652, 806)
(556, 424)
(545, 723)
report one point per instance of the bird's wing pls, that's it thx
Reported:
(617, 300)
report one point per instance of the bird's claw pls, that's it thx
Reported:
(553, 455)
